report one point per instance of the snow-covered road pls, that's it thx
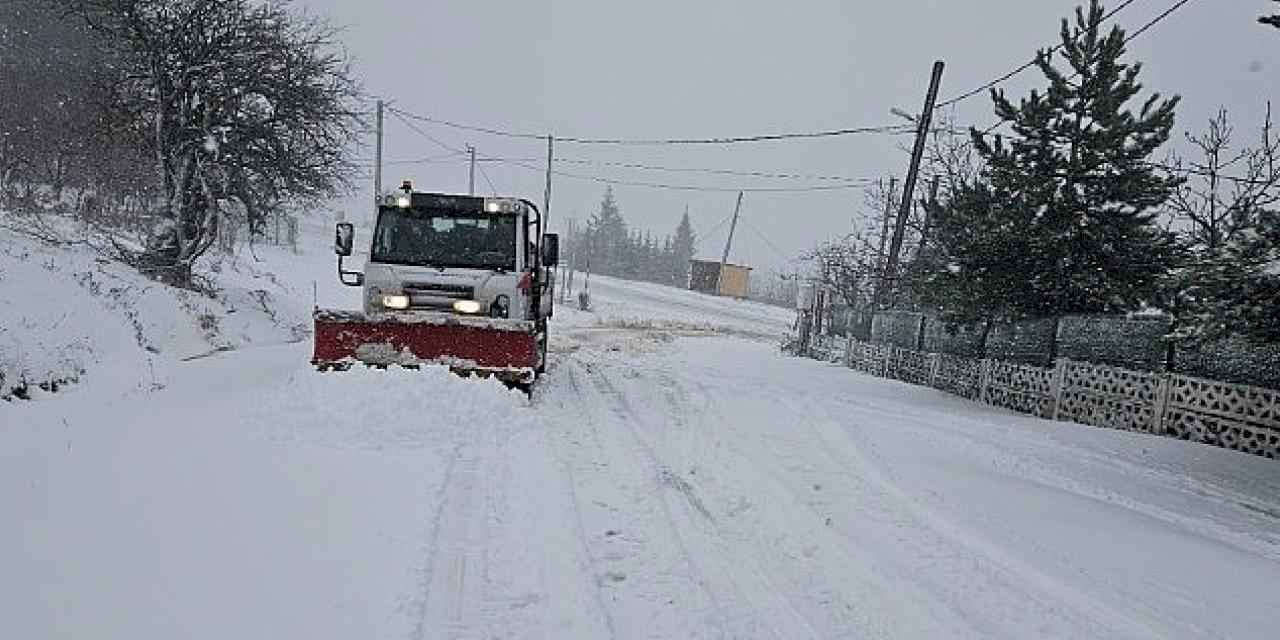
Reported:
(669, 479)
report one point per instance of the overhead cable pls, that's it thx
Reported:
(880, 129)
(1023, 67)
(1153, 22)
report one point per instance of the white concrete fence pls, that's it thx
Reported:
(1233, 416)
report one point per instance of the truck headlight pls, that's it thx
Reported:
(501, 307)
(466, 306)
(395, 302)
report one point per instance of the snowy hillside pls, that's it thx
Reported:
(69, 314)
(674, 476)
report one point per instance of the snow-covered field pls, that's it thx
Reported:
(674, 476)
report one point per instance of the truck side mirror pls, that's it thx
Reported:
(550, 249)
(343, 239)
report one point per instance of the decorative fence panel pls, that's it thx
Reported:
(1019, 387)
(911, 366)
(1105, 396)
(1228, 415)
(961, 376)
(868, 358)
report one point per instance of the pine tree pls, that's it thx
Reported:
(649, 262)
(665, 259)
(682, 248)
(1061, 220)
(609, 236)
(1235, 291)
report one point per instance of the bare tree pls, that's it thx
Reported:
(849, 266)
(247, 106)
(1226, 187)
(1225, 214)
(950, 157)
(853, 265)
(55, 80)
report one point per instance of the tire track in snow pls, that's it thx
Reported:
(741, 565)
(452, 603)
(420, 626)
(832, 586)
(580, 530)
(628, 417)
(626, 499)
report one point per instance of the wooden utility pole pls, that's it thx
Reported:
(728, 243)
(908, 188)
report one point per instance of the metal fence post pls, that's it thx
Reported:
(1059, 381)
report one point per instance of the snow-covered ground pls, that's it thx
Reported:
(674, 476)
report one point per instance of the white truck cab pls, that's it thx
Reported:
(464, 256)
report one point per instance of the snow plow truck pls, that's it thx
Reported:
(454, 280)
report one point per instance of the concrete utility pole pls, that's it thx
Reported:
(908, 188)
(546, 195)
(471, 175)
(570, 249)
(728, 243)
(377, 163)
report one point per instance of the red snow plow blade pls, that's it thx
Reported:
(506, 349)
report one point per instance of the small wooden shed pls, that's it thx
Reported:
(706, 276)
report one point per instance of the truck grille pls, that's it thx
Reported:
(425, 295)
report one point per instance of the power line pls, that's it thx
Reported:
(485, 175)
(1157, 20)
(699, 238)
(685, 187)
(1201, 172)
(438, 159)
(722, 172)
(1027, 65)
(629, 183)
(650, 167)
(782, 254)
(1153, 22)
(416, 129)
(428, 160)
(881, 129)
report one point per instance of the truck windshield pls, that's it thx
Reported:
(445, 239)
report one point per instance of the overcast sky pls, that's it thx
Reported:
(690, 68)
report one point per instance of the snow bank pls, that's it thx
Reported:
(68, 314)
